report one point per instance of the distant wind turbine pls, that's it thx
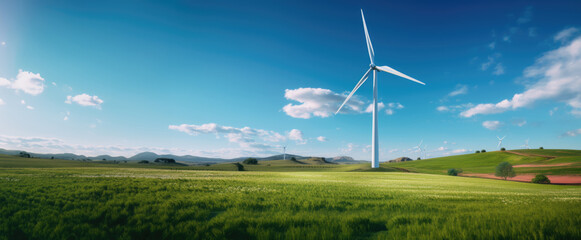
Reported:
(284, 152)
(500, 141)
(419, 147)
(526, 144)
(375, 69)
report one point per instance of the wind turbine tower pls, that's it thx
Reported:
(500, 141)
(375, 69)
(284, 152)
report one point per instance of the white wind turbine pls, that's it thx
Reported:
(284, 152)
(526, 144)
(375, 69)
(500, 141)
(419, 147)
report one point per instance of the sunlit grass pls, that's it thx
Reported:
(142, 203)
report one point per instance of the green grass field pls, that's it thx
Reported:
(59, 199)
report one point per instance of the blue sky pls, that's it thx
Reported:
(230, 78)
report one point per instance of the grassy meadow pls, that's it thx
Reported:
(130, 201)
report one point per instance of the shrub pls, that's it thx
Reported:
(293, 159)
(541, 148)
(542, 179)
(454, 172)
(239, 166)
(477, 151)
(504, 170)
(250, 161)
(143, 161)
(419, 159)
(503, 149)
(483, 151)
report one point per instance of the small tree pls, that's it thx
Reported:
(239, 166)
(502, 149)
(483, 150)
(250, 161)
(419, 158)
(454, 172)
(477, 151)
(143, 161)
(293, 159)
(542, 179)
(541, 148)
(504, 170)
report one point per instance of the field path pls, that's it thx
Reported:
(555, 179)
(531, 155)
(544, 165)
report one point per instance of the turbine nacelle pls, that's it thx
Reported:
(373, 66)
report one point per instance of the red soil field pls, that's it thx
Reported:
(556, 179)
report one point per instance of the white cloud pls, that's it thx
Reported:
(459, 150)
(453, 108)
(553, 111)
(526, 16)
(492, 45)
(348, 148)
(296, 135)
(506, 38)
(460, 89)
(559, 78)
(442, 109)
(572, 133)
(3, 43)
(565, 34)
(380, 106)
(30, 107)
(499, 69)
(322, 139)
(246, 137)
(492, 125)
(520, 123)
(67, 116)
(30, 83)
(323, 103)
(487, 64)
(85, 100)
(389, 111)
(5, 82)
(2, 102)
(22, 102)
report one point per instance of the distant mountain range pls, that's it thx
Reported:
(150, 156)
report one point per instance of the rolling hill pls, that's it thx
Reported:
(529, 162)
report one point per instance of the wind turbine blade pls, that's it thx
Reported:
(502, 138)
(498, 144)
(421, 142)
(498, 138)
(395, 72)
(368, 40)
(363, 79)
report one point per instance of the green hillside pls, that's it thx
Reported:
(486, 162)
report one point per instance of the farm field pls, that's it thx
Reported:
(105, 201)
(554, 162)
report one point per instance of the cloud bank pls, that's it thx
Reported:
(558, 74)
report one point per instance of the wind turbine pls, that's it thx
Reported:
(284, 152)
(375, 69)
(526, 144)
(419, 147)
(500, 141)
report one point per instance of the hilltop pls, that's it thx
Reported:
(526, 162)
